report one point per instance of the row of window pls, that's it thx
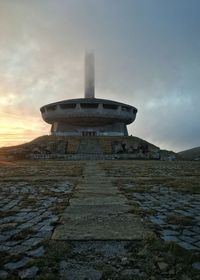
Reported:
(86, 106)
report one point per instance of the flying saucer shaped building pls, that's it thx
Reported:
(89, 116)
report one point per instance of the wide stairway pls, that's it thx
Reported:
(89, 146)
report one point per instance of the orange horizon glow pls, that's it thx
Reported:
(15, 129)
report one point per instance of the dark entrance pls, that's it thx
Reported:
(88, 133)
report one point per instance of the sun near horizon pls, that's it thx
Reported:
(16, 129)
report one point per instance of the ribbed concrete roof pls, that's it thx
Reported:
(90, 100)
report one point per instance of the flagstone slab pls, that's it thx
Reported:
(98, 211)
(97, 200)
(119, 227)
(89, 211)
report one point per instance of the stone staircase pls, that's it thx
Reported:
(89, 146)
(73, 144)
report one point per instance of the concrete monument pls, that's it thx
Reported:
(89, 116)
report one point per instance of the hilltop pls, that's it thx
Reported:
(74, 147)
(191, 154)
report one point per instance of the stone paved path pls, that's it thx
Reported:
(98, 211)
(77, 220)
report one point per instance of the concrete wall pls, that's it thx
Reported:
(64, 129)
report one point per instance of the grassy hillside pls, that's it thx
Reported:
(50, 145)
(190, 154)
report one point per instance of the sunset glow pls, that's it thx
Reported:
(16, 129)
(146, 52)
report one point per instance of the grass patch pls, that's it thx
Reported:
(23, 234)
(4, 214)
(153, 251)
(141, 212)
(50, 264)
(180, 220)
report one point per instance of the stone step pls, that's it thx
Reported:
(122, 227)
(88, 211)
(97, 200)
(89, 146)
(98, 191)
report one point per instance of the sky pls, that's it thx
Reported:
(147, 54)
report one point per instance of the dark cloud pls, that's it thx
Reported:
(147, 54)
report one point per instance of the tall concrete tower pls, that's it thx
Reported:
(89, 75)
(89, 116)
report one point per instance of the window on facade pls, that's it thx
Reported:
(89, 105)
(67, 106)
(110, 106)
(127, 109)
(88, 133)
(51, 108)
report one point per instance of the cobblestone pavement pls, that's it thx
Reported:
(30, 207)
(165, 196)
(176, 215)
(169, 199)
(28, 215)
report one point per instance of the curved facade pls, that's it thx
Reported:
(89, 116)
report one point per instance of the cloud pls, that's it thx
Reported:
(147, 54)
